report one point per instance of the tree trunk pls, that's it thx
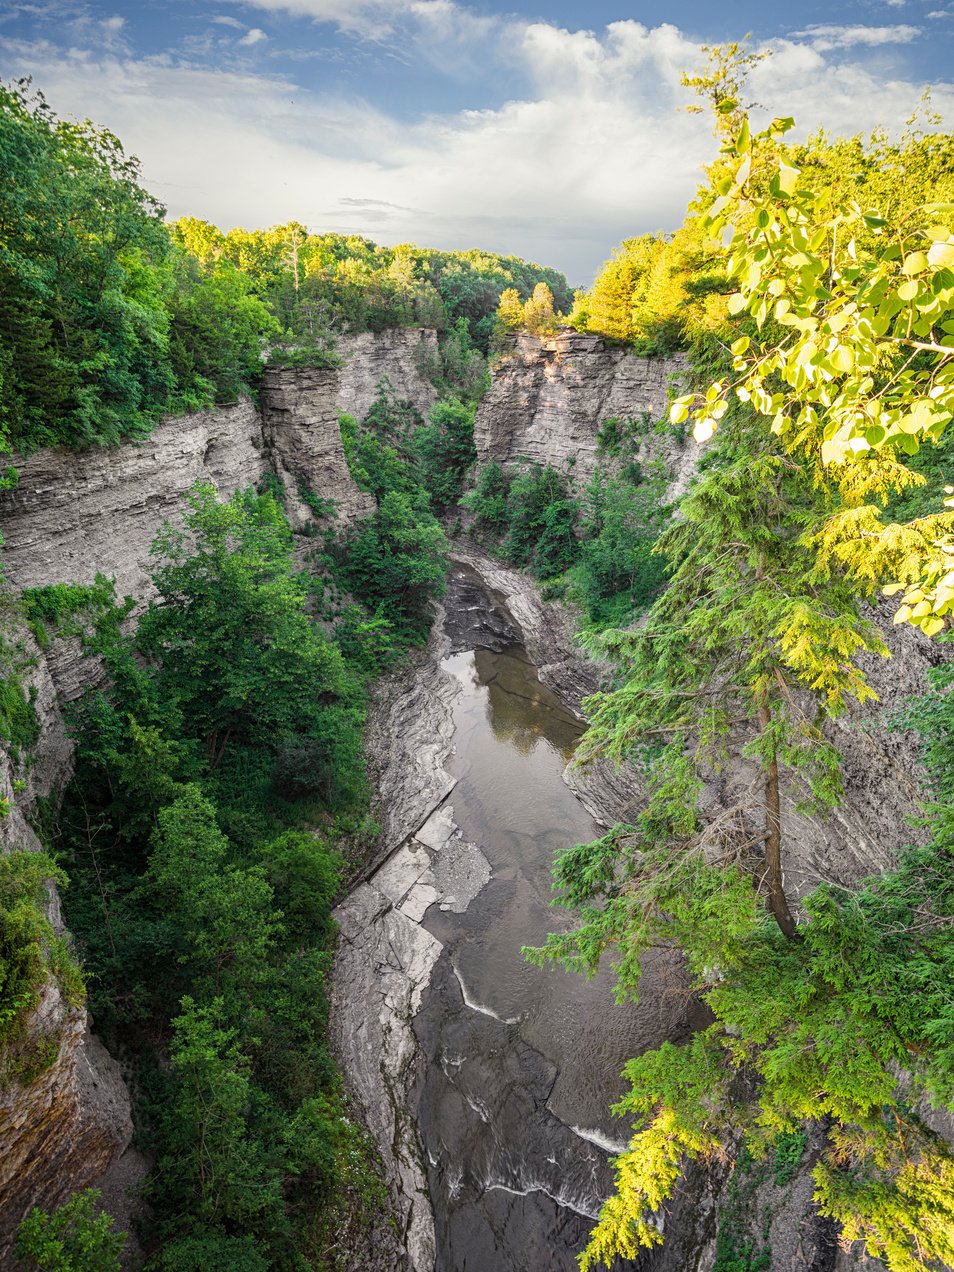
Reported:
(773, 839)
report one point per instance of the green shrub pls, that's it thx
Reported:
(31, 955)
(73, 1238)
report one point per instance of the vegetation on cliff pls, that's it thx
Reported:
(228, 729)
(32, 958)
(229, 725)
(830, 1013)
(219, 769)
(597, 546)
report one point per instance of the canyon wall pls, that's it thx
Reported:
(549, 396)
(76, 514)
(403, 356)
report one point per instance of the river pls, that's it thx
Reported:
(514, 1067)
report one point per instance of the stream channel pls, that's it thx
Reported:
(505, 1072)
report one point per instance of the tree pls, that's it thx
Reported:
(83, 322)
(611, 300)
(743, 656)
(234, 649)
(218, 327)
(852, 359)
(618, 571)
(509, 310)
(396, 561)
(714, 675)
(541, 517)
(445, 451)
(538, 315)
(211, 1163)
(223, 914)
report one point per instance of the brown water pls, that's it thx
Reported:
(523, 1063)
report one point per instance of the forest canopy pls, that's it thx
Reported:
(109, 317)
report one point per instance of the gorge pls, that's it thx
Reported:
(485, 1083)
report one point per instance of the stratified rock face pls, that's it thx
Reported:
(59, 1133)
(549, 397)
(401, 356)
(76, 513)
(300, 422)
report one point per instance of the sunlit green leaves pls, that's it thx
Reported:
(866, 298)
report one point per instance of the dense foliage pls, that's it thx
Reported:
(657, 293)
(597, 547)
(395, 561)
(228, 728)
(832, 1013)
(843, 254)
(333, 283)
(73, 1238)
(103, 324)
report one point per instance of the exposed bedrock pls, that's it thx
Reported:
(550, 395)
(881, 765)
(385, 957)
(59, 1133)
(78, 513)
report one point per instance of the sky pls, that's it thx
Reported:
(549, 131)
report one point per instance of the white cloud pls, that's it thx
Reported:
(590, 149)
(253, 36)
(370, 18)
(938, 13)
(223, 20)
(423, 22)
(826, 37)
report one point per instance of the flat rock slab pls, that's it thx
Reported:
(419, 899)
(401, 871)
(384, 964)
(438, 828)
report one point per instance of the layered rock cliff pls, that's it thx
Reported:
(76, 514)
(550, 395)
(402, 356)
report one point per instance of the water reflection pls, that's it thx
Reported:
(522, 1063)
(521, 710)
(520, 1055)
